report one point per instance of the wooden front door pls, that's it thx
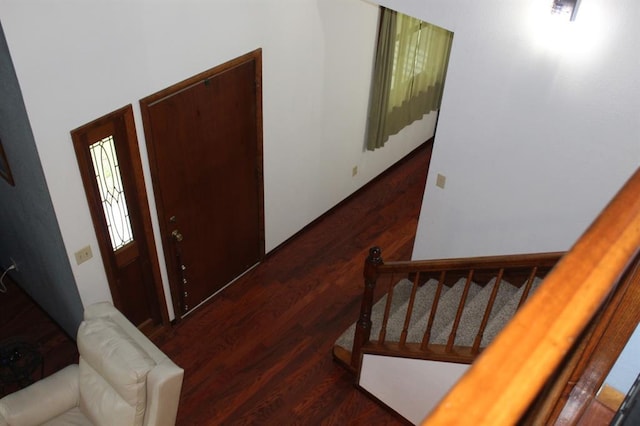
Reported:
(204, 137)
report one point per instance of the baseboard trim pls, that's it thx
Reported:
(428, 144)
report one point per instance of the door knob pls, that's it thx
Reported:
(177, 236)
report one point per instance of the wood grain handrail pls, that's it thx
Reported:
(478, 263)
(506, 379)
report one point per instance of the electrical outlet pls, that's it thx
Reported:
(83, 255)
(14, 263)
(440, 181)
(354, 171)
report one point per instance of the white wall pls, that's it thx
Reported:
(77, 60)
(411, 387)
(29, 231)
(539, 126)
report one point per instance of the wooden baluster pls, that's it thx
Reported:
(487, 313)
(363, 326)
(407, 317)
(527, 288)
(387, 308)
(432, 314)
(456, 322)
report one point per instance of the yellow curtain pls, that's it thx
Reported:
(409, 72)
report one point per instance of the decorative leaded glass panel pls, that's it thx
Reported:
(107, 171)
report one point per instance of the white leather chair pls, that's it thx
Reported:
(121, 379)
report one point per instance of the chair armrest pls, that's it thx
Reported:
(42, 400)
(164, 383)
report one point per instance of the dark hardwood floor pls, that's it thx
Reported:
(23, 321)
(259, 353)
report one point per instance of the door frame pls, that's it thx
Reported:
(131, 168)
(147, 102)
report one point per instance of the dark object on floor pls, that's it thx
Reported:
(23, 320)
(19, 360)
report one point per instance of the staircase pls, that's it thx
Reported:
(507, 299)
(547, 365)
(443, 310)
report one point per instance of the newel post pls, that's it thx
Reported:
(363, 326)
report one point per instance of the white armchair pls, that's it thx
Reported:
(122, 378)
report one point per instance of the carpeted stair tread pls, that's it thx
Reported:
(401, 293)
(421, 306)
(504, 315)
(504, 308)
(474, 311)
(419, 325)
(448, 307)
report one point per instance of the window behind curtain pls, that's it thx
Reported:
(408, 77)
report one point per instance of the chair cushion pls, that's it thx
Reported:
(73, 417)
(113, 371)
(42, 400)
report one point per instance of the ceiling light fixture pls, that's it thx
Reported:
(565, 9)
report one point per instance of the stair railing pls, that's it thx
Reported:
(519, 269)
(549, 361)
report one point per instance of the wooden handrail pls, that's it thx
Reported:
(466, 263)
(509, 375)
(568, 395)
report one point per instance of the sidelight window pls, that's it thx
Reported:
(109, 180)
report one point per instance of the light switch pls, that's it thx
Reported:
(83, 255)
